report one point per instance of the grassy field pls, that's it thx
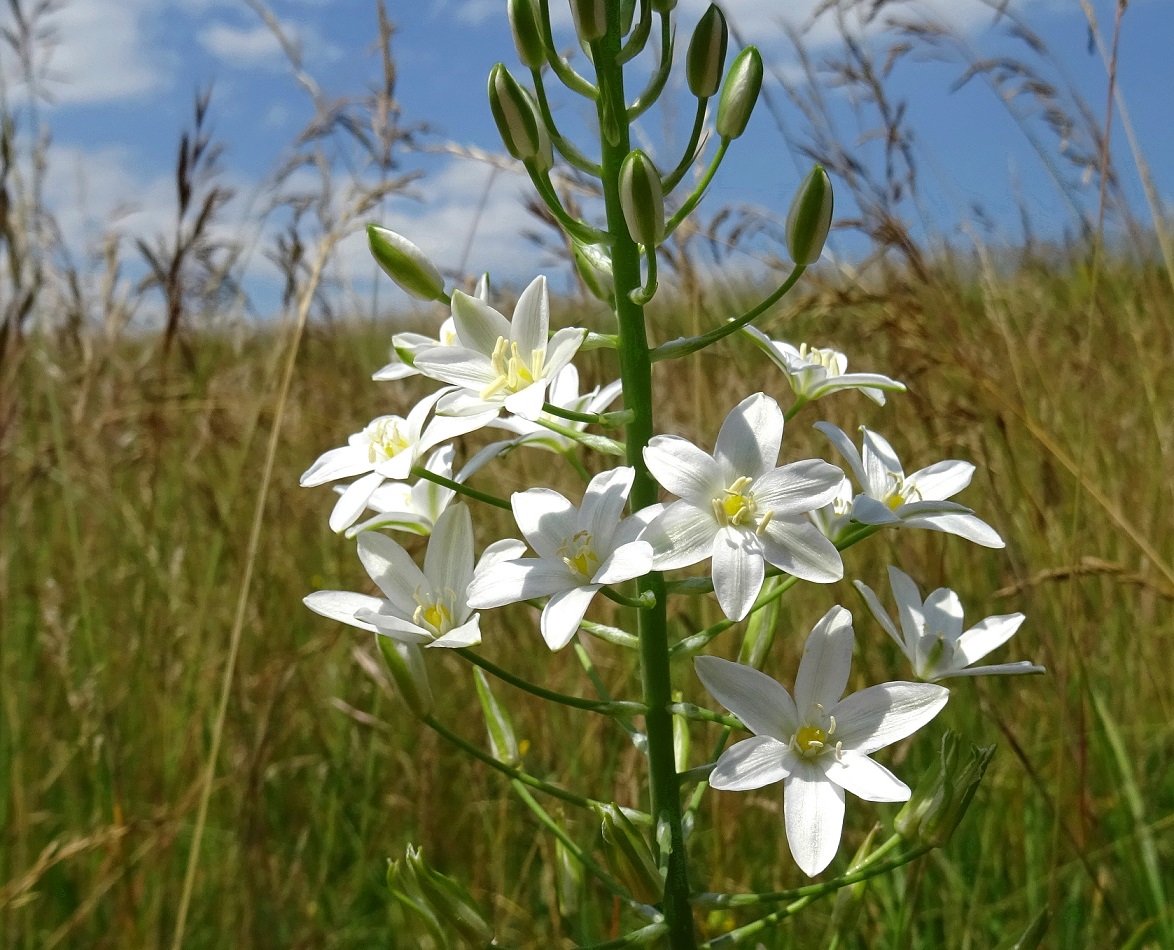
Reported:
(127, 492)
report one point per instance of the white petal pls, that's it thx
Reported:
(448, 562)
(487, 454)
(464, 402)
(879, 612)
(626, 562)
(527, 402)
(603, 503)
(842, 444)
(826, 663)
(632, 527)
(351, 502)
(505, 550)
(909, 610)
(939, 481)
(813, 809)
(392, 569)
(798, 487)
(681, 535)
(880, 463)
(344, 462)
(684, 469)
(738, 570)
(393, 371)
(546, 518)
(750, 438)
(391, 624)
(987, 635)
(761, 703)
(447, 428)
(967, 526)
(881, 715)
(466, 635)
(561, 349)
(867, 510)
(342, 605)
(801, 549)
(394, 521)
(563, 613)
(457, 365)
(998, 669)
(531, 321)
(512, 581)
(478, 325)
(751, 763)
(865, 778)
(942, 611)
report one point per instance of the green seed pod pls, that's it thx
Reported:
(517, 119)
(593, 265)
(503, 742)
(405, 662)
(526, 25)
(568, 880)
(405, 263)
(451, 903)
(590, 19)
(680, 738)
(642, 199)
(739, 94)
(707, 53)
(945, 791)
(629, 856)
(810, 217)
(627, 16)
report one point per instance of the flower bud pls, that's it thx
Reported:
(707, 53)
(405, 662)
(760, 631)
(944, 793)
(526, 25)
(627, 16)
(449, 901)
(629, 856)
(680, 739)
(568, 880)
(405, 263)
(664, 6)
(739, 93)
(593, 265)
(517, 119)
(503, 742)
(590, 19)
(810, 217)
(481, 291)
(642, 199)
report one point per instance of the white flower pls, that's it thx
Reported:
(497, 363)
(740, 509)
(817, 744)
(815, 372)
(386, 448)
(579, 551)
(564, 393)
(933, 639)
(405, 507)
(890, 497)
(405, 346)
(426, 607)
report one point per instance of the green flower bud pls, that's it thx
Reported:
(680, 739)
(627, 15)
(593, 265)
(760, 631)
(405, 263)
(707, 53)
(526, 25)
(503, 742)
(944, 793)
(450, 902)
(739, 93)
(664, 6)
(517, 119)
(642, 199)
(590, 19)
(401, 881)
(810, 217)
(629, 856)
(568, 880)
(405, 662)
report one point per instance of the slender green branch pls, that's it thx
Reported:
(700, 714)
(656, 84)
(698, 640)
(682, 347)
(698, 192)
(637, 938)
(600, 443)
(577, 464)
(575, 702)
(639, 36)
(642, 295)
(566, 148)
(799, 403)
(461, 489)
(645, 601)
(699, 791)
(580, 230)
(516, 774)
(565, 72)
(611, 420)
(601, 688)
(613, 635)
(689, 156)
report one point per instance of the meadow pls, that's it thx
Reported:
(163, 689)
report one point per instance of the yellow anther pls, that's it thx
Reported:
(811, 740)
(579, 555)
(512, 371)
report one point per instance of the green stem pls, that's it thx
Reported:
(600, 443)
(645, 601)
(636, 373)
(461, 489)
(566, 148)
(566, 74)
(799, 403)
(613, 420)
(700, 714)
(575, 702)
(613, 635)
(689, 156)
(601, 688)
(637, 938)
(697, 193)
(644, 294)
(678, 348)
(698, 640)
(580, 230)
(639, 36)
(656, 84)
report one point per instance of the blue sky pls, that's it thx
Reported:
(123, 73)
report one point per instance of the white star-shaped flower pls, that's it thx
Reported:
(931, 634)
(405, 346)
(738, 507)
(817, 744)
(890, 497)
(402, 506)
(579, 551)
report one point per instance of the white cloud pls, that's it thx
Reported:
(242, 47)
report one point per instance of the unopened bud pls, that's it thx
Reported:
(627, 16)
(707, 53)
(760, 631)
(629, 856)
(944, 793)
(481, 291)
(568, 880)
(450, 902)
(642, 199)
(503, 742)
(526, 25)
(405, 263)
(517, 119)
(593, 265)
(664, 6)
(680, 739)
(810, 217)
(739, 93)
(590, 19)
(405, 662)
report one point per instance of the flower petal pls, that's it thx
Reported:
(813, 809)
(842, 444)
(826, 663)
(880, 463)
(942, 611)
(351, 502)
(478, 325)
(531, 320)
(738, 570)
(392, 569)
(448, 562)
(909, 610)
(342, 605)
(881, 615)
(987, 635)
(939, 481)
(458, 365)
(881, 715)
(750, 438)
(344, 462)
(751, 763)
(684, 469)
(546, 518)
(625, 563)
(390, 624)
(999, 669)
(466, 635)
(512, 581)
(681, 535)
(868, 510)
(563, 613)
(507, 549)
(603, 503)
(760, 702)
(801, 549)
(798, 487)
(527, 402)
(865, 778)
(563, 345)
(967, 526)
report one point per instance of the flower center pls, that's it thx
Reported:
(736, 506)
(512, 371)
(831, 360)
(387, 439)
(896, 497)
(813, 738)
(578, 553)
(435, 614)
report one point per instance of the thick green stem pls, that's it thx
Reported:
(636, 373)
